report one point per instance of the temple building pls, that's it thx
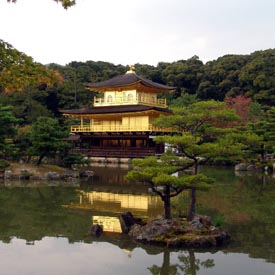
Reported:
(119, 124)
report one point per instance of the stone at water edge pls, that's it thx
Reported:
(154, 229)
(201, 222)
(96, 230)
(127, 220)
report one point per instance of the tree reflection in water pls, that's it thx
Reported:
(189, 265)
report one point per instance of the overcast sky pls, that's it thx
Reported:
(137, 31)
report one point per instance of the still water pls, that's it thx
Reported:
(44, 227)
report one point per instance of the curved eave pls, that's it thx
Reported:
(128, 81)
(129, 87)
(114, 110)
(111, 87)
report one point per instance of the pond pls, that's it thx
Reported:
(45, 227)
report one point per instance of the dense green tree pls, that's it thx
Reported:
(270, 130)
(23, 84)
(18, 71)
(221, 77)
(46, 138)
(150, 72)
(29, 105)
(71, 93)
(7, 131)
(265, 128)
(72, 159)
(23, 143)
(257, 77)
(184, 100)
(184, 74)
(205, 132)
(163, 180)
(232, 75)
(92, 71)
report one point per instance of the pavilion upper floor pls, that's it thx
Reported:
(129, 89)
(129, 97)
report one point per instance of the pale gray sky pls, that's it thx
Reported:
(137, 31)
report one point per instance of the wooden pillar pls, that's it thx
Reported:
(133, 142)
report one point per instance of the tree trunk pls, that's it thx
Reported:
(40, 159)
(195, 167)
(28, 159)
(262, 153)
(167, 209)
(192, 206)
(2, 173)
(167, 203)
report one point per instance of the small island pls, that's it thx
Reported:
(198, 233)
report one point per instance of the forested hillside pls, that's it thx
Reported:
(33, 90)
(229, 76)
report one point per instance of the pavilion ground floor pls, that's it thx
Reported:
(116, 145)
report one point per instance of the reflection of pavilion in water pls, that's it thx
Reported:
(108, 206)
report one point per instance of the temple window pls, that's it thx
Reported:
(109, 98)
(130, 98)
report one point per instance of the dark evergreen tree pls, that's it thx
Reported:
(46, 138)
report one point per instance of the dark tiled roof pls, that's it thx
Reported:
(127, 79)
(114, 109)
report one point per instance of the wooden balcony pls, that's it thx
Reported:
(117, 128)
(145, 100)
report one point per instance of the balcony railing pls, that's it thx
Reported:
(145, 100)
(117, 128)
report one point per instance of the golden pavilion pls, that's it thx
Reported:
(119, 124)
